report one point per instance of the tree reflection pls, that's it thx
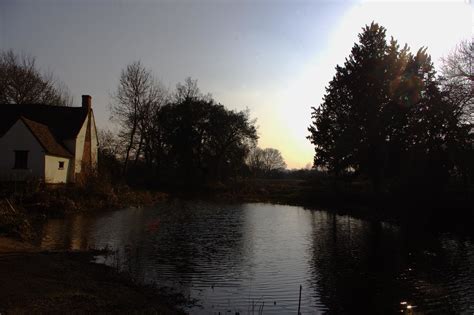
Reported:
(66, 234)
(189, 241)
(231, 255)
(372, 267)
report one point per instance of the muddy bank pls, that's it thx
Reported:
(34, 281)
(62, 282)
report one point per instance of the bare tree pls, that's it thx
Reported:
(136, 101)
(264, 161)
(458, 73)
(149, 131)
(189, 91)
(21, 82)
(109, 143)
(254, 160)
(272, 160)
(460, 63)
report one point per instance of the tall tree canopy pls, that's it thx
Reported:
(21, 82)
(384, 114)
(202, 140)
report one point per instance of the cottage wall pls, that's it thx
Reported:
(94, 142)
(79, 148)
(19, 137)
(53, 173)
(80, 143)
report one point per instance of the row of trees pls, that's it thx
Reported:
(181, 136)
(178, 135)
(388, 117)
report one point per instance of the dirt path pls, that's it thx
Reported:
(63, 282)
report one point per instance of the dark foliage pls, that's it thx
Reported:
(265, 162)
(183, 139)
(202, 140)
(385, 117)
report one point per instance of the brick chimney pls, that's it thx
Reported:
(86, 162)
(86, 101)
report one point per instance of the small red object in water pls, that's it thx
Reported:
(153, 226)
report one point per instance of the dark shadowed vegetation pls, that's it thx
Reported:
(61, 282)
(181, 138)
(389, 131)
(388, 119)
(265, 162)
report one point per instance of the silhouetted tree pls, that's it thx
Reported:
(349, 130)
(458, 85)
(231, 133)
(109, 143)
(21, 82)
(202, 140)
(384, 115)
(110, 152)
(150, 133)
(459, 64)
(458, 78)
(136, 101)
(264, 161)
(189, 90)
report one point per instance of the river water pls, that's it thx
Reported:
(254, 257)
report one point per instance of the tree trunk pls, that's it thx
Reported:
(129, 147)
(137, 156)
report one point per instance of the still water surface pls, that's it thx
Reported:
(242, 258)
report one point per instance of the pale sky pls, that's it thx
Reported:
(273, 57)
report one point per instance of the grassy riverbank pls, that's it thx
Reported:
(21, 205)
(62, 282)
(450, 210)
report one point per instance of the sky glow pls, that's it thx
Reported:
(438, 25)
(273, 57)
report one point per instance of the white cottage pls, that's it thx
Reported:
(55, 144)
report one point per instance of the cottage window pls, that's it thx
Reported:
(61, 165)
(21, 159)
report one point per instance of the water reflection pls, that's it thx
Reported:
(359, 265)
(111, 229)
(355, 264)
(237, 257)
(70, 233)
